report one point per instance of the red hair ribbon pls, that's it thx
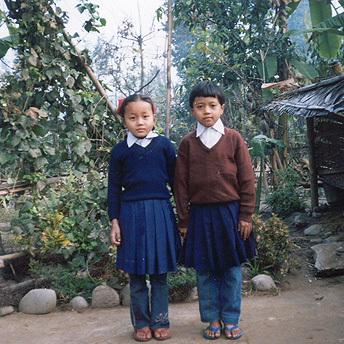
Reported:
(120, 102)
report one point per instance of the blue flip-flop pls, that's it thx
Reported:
(214, 330)
(230, 331)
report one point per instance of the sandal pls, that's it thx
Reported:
(214, 330)
(146, 332)
(230, 330)
(164, 334)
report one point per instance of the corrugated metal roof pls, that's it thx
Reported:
(318, 99)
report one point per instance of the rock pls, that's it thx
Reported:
(332, 238)
(312, 230)
(263, 283)
(327, 260)
(6, 310)
(299, 221)
(104, 297)
(315, 241)
(340, 250)
(78, 303)
(193, 295)
(38, 301)
(125, 296)
(316, 215)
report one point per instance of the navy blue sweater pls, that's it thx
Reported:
(138, 173)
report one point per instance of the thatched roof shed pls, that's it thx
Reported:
(322, 104)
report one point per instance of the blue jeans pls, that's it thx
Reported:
(143, 313)
(219, 294)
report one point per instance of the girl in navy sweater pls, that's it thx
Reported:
(143, 223)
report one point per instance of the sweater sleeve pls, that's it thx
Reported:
(245, 178)
(181, 187)
(114, 184)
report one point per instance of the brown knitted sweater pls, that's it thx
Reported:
(220, 174)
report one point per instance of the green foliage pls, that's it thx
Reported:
(50, 114)
(181, 283)
(64, 280)
(274, 248)
(260, 145)
(329, 43)
(70, 221)
(285, 199)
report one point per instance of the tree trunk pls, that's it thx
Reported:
(169, 64)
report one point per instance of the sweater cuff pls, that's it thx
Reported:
(182, 223)
(247, 217)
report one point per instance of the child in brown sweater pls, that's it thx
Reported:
(214, 194)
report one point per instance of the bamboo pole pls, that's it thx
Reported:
(169, 64)
(312, 165)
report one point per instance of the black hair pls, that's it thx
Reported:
(207, 89)
(133, 98)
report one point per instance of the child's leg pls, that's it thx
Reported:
(230, 297)
(139, 301)
(159, 307)
(159, 301)
(208, 287)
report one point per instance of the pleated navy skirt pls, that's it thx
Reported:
(213, 241)
(149, 237)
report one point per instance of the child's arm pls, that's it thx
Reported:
(244, 229)
(115, 234)
(183, 231)
(181, 189)
(170, 163)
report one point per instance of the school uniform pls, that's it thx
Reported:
(214, 189)
(139, 172)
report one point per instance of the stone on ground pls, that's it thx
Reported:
(263, 283)
(6, 310)
(78, 303)
(329, 259)
(125, 296)
(104, 296)
(38, 301)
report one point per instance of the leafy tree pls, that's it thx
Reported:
(50, 112)
(237, 44)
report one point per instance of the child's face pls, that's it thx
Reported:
(207, 110)
(139, 118)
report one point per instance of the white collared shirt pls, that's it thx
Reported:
(131, 139)
(210, 136)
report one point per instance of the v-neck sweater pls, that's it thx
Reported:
(140, 173)
(219, 174)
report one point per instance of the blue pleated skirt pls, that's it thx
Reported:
(213, 241)
(149, 237)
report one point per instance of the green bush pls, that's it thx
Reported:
(274, 248)
(285, 199)
(64, 280)
(68, 219)
(181, 283)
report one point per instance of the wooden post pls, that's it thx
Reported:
(312, 165)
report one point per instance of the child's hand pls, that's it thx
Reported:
(244, 229)
(183, 232)
(115, 234)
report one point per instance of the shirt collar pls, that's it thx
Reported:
(131, 139)
(218, 126)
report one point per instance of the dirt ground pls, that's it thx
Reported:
(305, 309)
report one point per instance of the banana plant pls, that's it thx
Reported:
(325, 28)
(260, 146)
